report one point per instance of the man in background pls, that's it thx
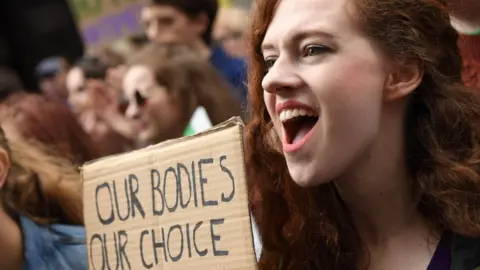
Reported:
(465, 16)
(191, 22)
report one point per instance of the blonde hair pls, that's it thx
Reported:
(233, 18)
(40, 185)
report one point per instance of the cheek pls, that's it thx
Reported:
(160, 107)
(351, 106)
(270, 102)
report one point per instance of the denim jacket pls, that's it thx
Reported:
(53, 247)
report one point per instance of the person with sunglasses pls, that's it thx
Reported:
(165, 84)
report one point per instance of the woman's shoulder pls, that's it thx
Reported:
(55, 246)
(465, 253)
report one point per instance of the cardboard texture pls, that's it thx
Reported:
(180, 205)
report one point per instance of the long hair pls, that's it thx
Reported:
(186, 75)
(42, 186)
(310, 228)
(51, 123)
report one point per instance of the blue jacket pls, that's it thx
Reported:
(54, 247)
(234, 70)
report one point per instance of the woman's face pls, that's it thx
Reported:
(156, 113)
(77, 93)
(323, 89)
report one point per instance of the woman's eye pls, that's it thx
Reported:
(269, 62)
(313, 50)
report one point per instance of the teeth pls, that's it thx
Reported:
(286, 115)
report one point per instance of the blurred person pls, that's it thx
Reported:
(377, 152)
(164, 91)
(86, 68)
(465, 16)
(110, 56)
(51, 73)
(10, 83)
(191, 22)
(229, 30)
(92, 116)
(50, 123)
(41, 209)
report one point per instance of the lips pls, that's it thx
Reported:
(298, 122)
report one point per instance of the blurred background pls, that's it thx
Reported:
(32, 30)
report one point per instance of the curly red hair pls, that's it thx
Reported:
(310, 228)
(51, 123)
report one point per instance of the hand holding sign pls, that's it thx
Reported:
(178, 205)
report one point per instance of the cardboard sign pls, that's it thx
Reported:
(181, 204)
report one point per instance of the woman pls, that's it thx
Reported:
(379, 140)
(50, 123)
(165, 84)
(41, 206)
(84, 100)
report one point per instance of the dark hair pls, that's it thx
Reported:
(194, 8)
(139, 39)
(92, 67)
(310, 228)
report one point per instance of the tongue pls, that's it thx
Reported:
(303, 130)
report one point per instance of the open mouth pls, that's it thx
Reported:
(297, 123)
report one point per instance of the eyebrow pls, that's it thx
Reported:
(298, 36)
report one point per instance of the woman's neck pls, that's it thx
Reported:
(11, 243)
(378, 191)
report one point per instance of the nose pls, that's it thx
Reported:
(281, 76)
(133, 111)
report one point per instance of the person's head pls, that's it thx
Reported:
(36, 183)
(51, 73)
(165, 83)
(84, 69)
(50, 123)
(229, 30)
(10, 83)
(182, 21)
(341, 82)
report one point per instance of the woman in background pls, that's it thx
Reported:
(41, 210)
(83, 99)
(165, 84)
(377, 152)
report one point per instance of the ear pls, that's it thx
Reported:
(403, 80)
(4, 166)
(200, 23)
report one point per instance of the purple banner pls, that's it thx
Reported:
(114, 25)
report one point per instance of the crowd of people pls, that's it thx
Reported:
(362, 141)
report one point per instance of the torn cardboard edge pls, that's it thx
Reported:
(232, 122)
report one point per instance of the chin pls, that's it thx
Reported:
(308, 175)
